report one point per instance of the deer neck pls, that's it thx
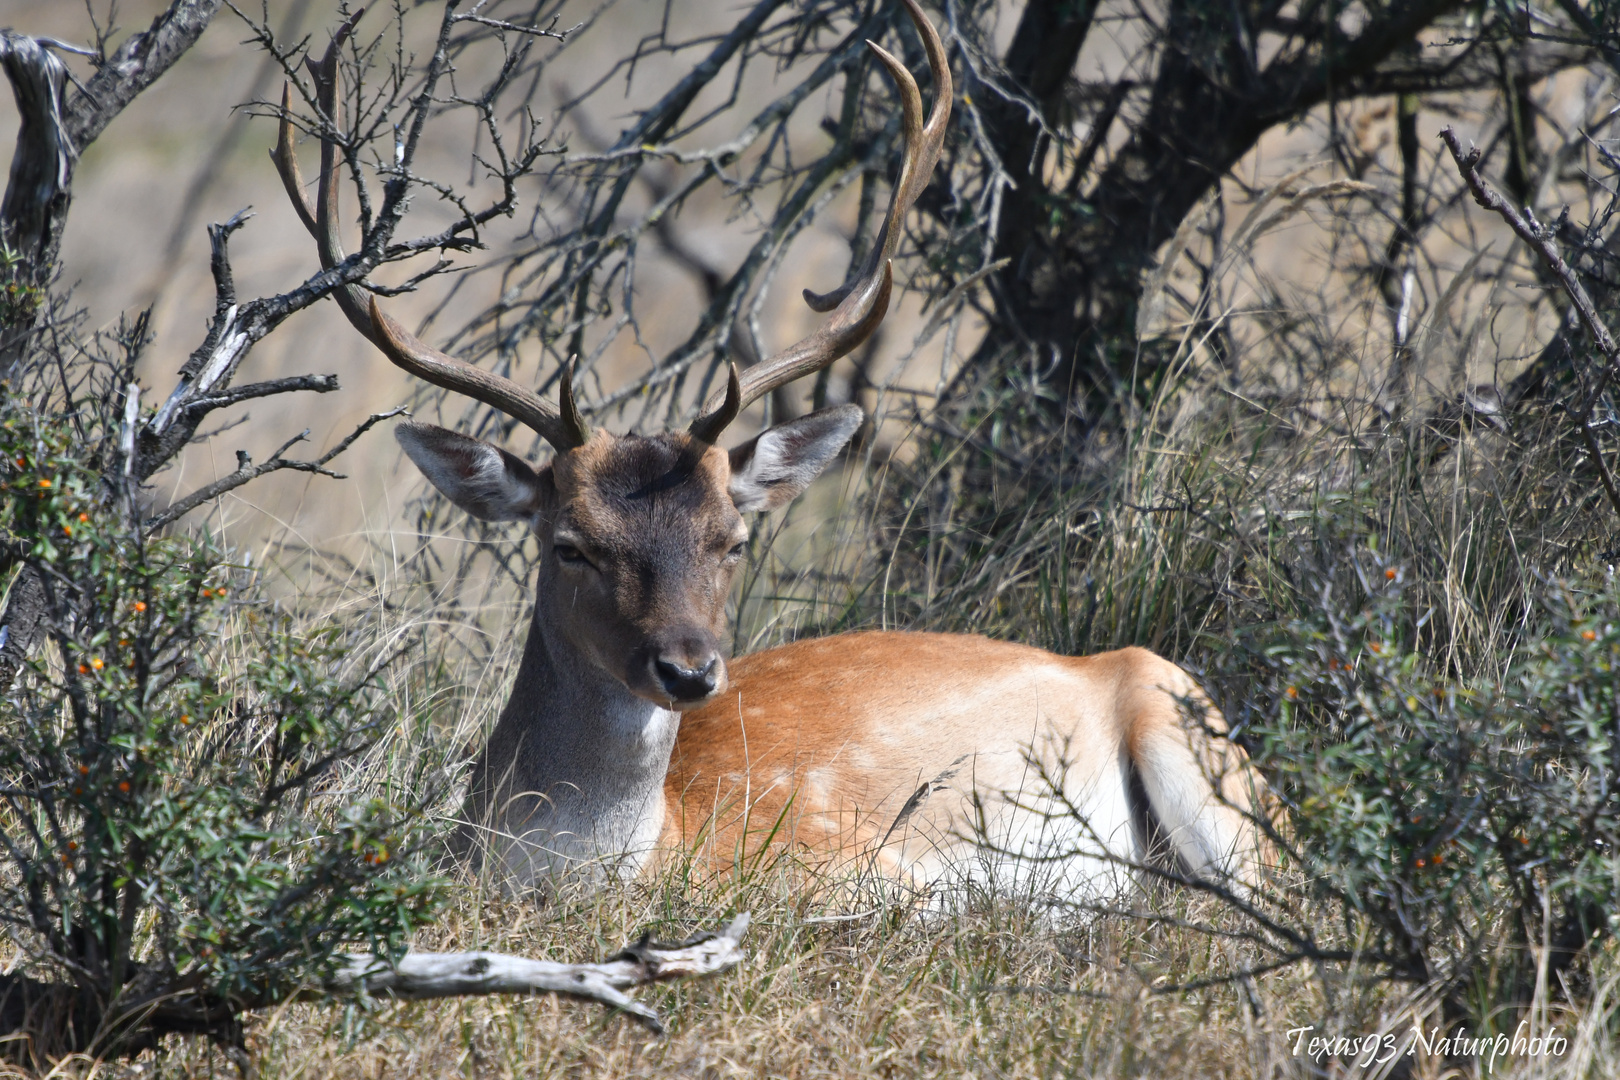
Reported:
(572, 780)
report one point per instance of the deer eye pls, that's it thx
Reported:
(569, 555)
(736, 551)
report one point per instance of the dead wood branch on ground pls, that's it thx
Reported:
(419, 976)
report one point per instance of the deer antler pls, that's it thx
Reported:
(861, 304)
(563, 428)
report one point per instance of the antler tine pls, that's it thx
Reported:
(564, 429)
(859, 306)
(923, 145)
(708, 428)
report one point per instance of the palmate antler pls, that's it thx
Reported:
(857, 307)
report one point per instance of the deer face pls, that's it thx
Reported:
(639, 537)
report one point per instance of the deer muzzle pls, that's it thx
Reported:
(682, 673)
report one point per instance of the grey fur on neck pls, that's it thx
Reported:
(582, 790)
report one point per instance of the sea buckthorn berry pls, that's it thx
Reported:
(73, 846)
(1589, 635)
(84, 770)
(78, 791)
(139, 606)
(96, 663)
(44, 484)
(123, 785)
(84, 518)
(1292, 692)
(1422, 863)
(1389, 575)
(185, 720)
(84, 669)
(68, 529)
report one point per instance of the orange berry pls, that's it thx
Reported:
(220, 592)
(1436, 858)
(1421, 864)
(83, 518)
(1292, 692)
(72, 846)
(1389, 575)
(96, 663)
(84, 669)
(78, 791)
(185, 720)
(68, 529)
(139, 606)
(84, 770)
(44, 484)
(1589, 635)
(123, 785)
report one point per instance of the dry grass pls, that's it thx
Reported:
(999, 990)
(846, 984)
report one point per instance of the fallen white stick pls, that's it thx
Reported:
(435, 975)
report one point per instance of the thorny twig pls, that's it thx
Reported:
(247, 471)
(1540, 239)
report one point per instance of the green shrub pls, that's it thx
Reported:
(1446, 816)
(179, 842)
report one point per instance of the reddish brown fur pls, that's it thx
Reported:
(856, 709)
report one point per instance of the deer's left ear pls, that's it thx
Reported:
(775, 467)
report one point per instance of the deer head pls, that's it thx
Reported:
(640, 535)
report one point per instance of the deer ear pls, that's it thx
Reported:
(775, 467)
(483, 480)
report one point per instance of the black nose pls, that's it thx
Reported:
(684, 683)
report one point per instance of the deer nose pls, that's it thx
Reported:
(687, 684)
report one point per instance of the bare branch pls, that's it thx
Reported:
(549, 31)
(247, 472)
(138, 63)
(321, 384)
(40, 188)
(419, 976)
(1540, 239)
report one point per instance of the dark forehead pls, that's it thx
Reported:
(613, 484)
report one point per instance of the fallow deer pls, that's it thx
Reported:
(629, 732)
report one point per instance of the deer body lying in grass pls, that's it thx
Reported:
(629, 733)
